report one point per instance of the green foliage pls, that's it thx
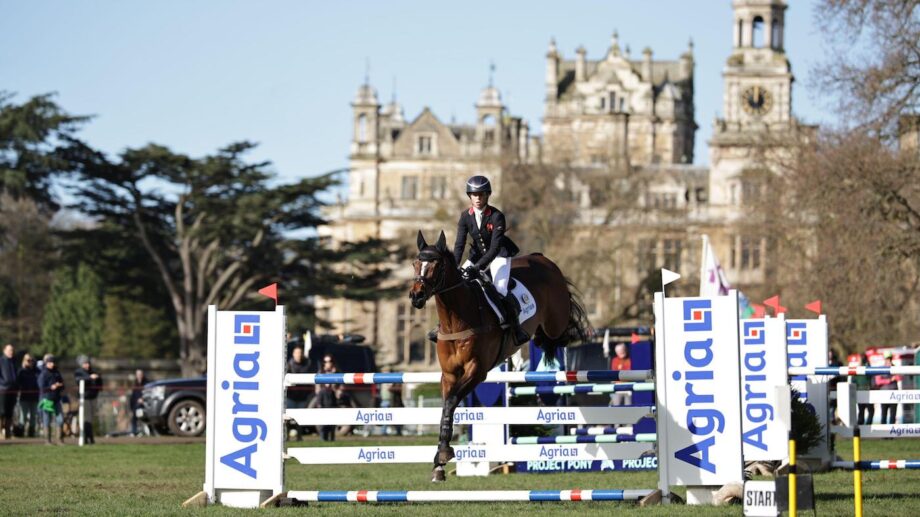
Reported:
(807, 430)
(29, 133)
(136, 330)
(74, 316)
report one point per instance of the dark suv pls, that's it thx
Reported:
(176, 406)
(179, 406)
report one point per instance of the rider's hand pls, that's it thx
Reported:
(470, 273)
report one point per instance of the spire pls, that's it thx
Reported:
(552, 51)
(367, 71)
(615, 43)
(491, 73)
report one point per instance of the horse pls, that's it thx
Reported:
(470, 339)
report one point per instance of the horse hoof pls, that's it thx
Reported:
(438, 475)
(445, 455)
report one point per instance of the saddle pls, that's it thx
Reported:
(503, 304)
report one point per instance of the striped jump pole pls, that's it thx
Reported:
(594, 431)
(606, 438)
(403, 496)
(855, 370)
(590, 389)
(292, 379)
(878, 465)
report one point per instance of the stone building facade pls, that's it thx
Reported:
(614, 112)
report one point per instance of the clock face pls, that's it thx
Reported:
(756, 100)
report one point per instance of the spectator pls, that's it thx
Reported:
(9, 389)
(887, 382)
(51, 386)
(863, 383)
(396, 401)
(92, 385)
(325, 397)
(343, 399)
(28, 395)
(621, 361)
(137, 398)
(296, 397)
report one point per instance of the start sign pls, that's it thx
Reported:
(760, 499)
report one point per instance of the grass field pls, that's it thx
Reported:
(125, 478)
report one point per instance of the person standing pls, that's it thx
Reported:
(137, 398)
(92, 386)
(621, 361)
(296, 397)
(888, 382)
(51, 386)
(325, 396)
(9, 389)
(863, 383)
(28, 395)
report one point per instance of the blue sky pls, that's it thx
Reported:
(197, 75)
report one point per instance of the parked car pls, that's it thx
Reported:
(179, 406)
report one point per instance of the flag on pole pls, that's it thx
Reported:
(814, 307)
(668, 276)
(271, 291)
(713, 281)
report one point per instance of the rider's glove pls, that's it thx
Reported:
(470, 273)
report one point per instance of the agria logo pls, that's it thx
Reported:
(246, 329)
(753, 332)
(697, 315)
(796, 334)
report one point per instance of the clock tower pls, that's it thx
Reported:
(757, 102)
(756, 123)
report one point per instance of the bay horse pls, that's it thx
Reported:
(470, 340)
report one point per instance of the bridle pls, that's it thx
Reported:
(436, 286)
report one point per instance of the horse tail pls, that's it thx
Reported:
(578, 329)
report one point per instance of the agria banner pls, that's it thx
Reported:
(806, 347)
(698, 390)
(764, 390)
(246, 352)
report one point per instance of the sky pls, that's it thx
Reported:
(196, 76)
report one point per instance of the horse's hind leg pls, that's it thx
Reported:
(453, 391)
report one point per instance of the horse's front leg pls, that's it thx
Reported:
(445, 452)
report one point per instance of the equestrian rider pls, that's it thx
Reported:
(489, 246)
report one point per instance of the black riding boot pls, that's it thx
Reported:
(512, 312)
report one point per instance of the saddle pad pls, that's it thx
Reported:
(525, 300)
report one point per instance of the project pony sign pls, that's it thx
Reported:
(697, 359)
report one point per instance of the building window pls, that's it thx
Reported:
(438, 187)
(662, 200)
(488, 137)
(362, 128)
(750, 252)
(411, 343)
(424, 145)
(646, 256)
(751, 191)
(733, 252)
(409, 187)
(671, 249)
(757, 32)
(603, 103)
(613, 102)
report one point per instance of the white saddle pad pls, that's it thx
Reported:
(525, 300)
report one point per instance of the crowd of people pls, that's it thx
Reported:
(38, 390)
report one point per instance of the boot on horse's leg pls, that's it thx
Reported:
(512, 311)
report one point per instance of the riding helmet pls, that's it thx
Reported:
(478, 184)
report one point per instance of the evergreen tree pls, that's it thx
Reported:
(74, 316)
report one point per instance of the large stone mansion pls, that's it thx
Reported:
(612, 111)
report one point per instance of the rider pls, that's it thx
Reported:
(486, 227)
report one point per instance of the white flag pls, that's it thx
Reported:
(713, 281)
(668, 276)
(607, 343)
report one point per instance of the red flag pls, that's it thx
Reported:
(270, 291)
(773, 303)
(759, 311)
(814, 307)
(634, 338)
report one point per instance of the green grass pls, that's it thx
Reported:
(133, 479)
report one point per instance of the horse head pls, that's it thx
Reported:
(434, 267)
